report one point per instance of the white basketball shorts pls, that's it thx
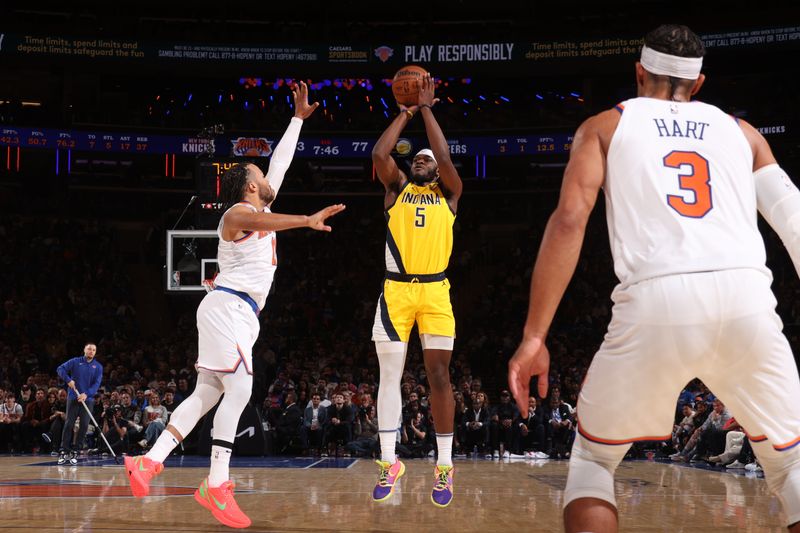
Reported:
(227, 329)
(718, 326)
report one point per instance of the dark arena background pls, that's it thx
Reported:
(116, 123)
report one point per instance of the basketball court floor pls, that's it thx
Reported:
(333, 495)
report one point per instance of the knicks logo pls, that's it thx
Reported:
(251, 147)
(384, 53)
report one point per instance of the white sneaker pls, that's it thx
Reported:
(516, 456)
(735, 465)
(496, 454)
(753, 467)
(506, 455)
(488, 456)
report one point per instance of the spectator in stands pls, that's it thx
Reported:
(101, 403)
(712, 432)
(412, 407)
(130, 412)
(559, 428)
(555, 392)
(339, 424)
(287, 429)
(415, 437)
(683, 429)
(140, 400)
(466, 392)
(314, 420)
(58, 416)
(25, 396)
(365, 400)
(476, 423)
(459, 423)
(698, 446)
(35, 422)
(324, 402)
(734, 441)
(531, 439)
(169, 402)
(131, 419)
(501, 431)
(115, 429)
(405, 392)
(273, 403)
(183, 391)
(746, 459)
(52, 402)
(154, 419)
(10, 421)
(365, 431)
(701, 412)
(476, 385)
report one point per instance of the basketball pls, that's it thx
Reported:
(406, 83)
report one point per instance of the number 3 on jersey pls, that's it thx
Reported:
(697, 181)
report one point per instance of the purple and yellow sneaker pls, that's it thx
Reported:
(442, 493)
(387, 479)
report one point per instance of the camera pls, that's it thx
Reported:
(109, 415)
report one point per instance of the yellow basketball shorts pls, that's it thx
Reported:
(403, 303)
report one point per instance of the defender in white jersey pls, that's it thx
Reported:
(683, 184)
(227, 319)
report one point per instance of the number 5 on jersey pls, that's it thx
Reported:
(697, 181)
(419, 221)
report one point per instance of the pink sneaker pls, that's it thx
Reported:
(389, 474)
(141, 470)
(220, 501)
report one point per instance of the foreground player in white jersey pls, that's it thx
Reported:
(683, 182)
(227, 320)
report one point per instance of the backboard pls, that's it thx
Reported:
(191, 259)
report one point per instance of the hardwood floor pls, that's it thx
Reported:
(285, 495)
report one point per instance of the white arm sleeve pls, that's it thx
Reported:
(283, 154)
(779, 203)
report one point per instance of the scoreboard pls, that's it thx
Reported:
(209, 171)
(262, 146)
(81, 140)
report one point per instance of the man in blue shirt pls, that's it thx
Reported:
(82, 374)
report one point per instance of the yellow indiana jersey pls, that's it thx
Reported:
(419, 237)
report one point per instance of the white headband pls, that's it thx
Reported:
(655, 62)
(428, 152)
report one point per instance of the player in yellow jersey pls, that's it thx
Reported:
(420, 211)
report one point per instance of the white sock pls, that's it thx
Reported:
(388, 441)
(220, 459)
(444, 443)
(161, 449)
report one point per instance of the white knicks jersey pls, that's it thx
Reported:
(247, 264)
(680, 194)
